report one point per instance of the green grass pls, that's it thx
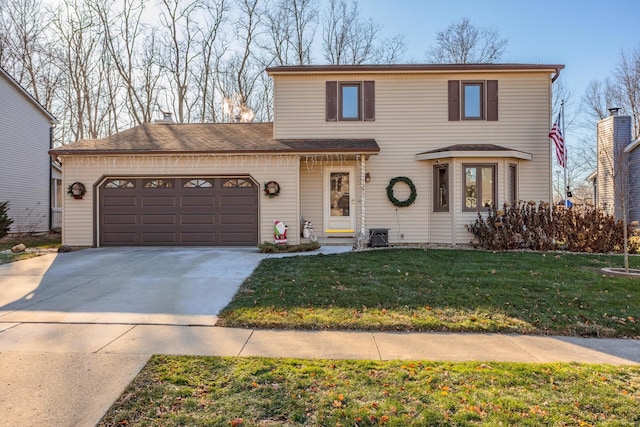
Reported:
(42, 242)
(213, 391)
(441, 290)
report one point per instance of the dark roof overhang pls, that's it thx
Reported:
(413, 68)
(473, 150)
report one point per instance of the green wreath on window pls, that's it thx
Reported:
(412, 195)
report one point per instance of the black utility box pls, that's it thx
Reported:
(378, 237)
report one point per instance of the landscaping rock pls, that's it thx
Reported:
(65, 248)
(19, 248)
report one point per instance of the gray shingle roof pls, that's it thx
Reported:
(245, 138)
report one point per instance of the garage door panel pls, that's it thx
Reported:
(119, 238)
(169, 219)
(237, 219)
(198, 201)
(205, 215)
(197, 219)
(121, 201)
(120, 219)
(159, 238)
(155, 201)
(236, 201)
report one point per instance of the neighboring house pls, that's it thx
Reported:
(466, 136)
(618, 167)
(25, 166)
(56, 196)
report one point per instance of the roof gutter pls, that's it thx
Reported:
(63, 152)
(555, 77)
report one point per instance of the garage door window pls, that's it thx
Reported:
(158, 183)
(238, 183)
(197, 183)
(119, 183)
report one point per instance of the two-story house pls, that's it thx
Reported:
(414, 150)
(25, 168)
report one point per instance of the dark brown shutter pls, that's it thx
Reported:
(332, 101)
(492, 100)
(369, 101)
(454, 100)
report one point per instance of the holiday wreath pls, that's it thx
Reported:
(412, 195)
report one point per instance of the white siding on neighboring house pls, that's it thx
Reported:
(411, 117)
(79, 227)
(25, 163)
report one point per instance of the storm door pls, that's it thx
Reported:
(339, 201)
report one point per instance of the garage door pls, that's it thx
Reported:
(172, 211)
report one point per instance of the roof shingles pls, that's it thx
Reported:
(212, 138)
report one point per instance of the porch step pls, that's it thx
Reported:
(332, 241)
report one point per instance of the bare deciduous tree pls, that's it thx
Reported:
(465, 43)
(124, 36)
(622, 91)
(88, 93)
(180, 32)
(26, 51)
(242, 71)
(348, 39)
(291, 26)
(213, 48)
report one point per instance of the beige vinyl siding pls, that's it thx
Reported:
(411, 118)
(311, 197)
(24, 163)
(79, 227)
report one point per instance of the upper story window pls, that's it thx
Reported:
(350, 101)
(473, 100)
(479, 187)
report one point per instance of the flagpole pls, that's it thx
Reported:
(564, 136)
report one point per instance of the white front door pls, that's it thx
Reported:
(339, 201)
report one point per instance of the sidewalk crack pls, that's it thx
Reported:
(376, 344)
(115, 339)
(246, 342)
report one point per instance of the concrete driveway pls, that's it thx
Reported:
(170, 286)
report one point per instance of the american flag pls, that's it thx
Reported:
(558, 141)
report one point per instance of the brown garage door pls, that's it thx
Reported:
(168, 211)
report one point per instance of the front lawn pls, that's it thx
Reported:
(441, 290)
(213, 391)
(49, 241)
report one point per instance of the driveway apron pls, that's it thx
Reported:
(182, 286)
